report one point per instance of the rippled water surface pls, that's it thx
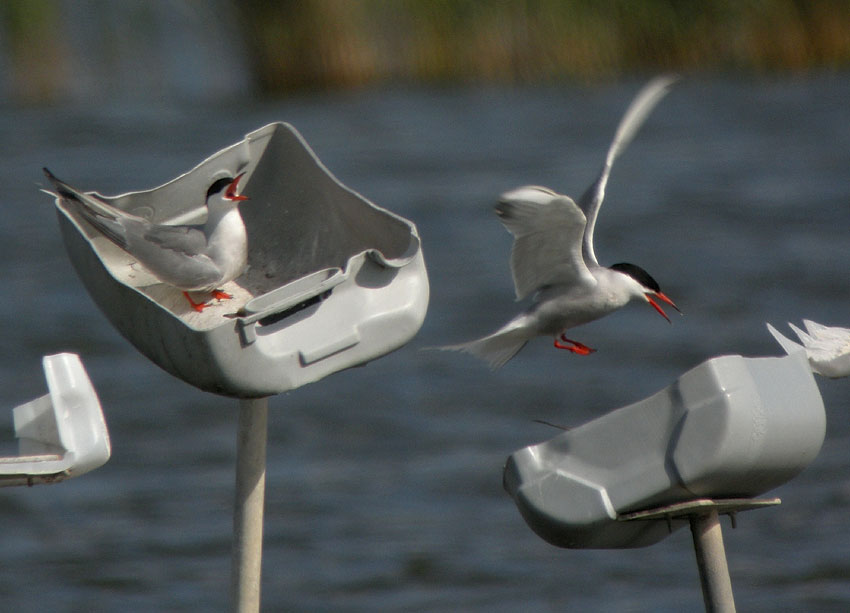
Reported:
(384, 483)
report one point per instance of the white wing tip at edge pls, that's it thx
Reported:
(828, 349)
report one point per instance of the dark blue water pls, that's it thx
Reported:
(384, 483)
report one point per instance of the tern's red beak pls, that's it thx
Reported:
(231, 194)
(663, 298)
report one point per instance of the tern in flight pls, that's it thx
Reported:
(553, 257)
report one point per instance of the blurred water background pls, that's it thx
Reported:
(384, 482)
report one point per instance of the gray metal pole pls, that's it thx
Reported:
(711, 559)
(248, 506)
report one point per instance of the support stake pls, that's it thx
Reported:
(248, 505)
(711, 560)
(704, 517)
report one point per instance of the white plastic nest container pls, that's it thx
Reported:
(333, 280)
(732, 427)
(62, 434)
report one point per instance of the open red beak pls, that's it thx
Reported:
(231, 194)
(663, 298)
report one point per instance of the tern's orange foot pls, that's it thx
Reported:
(198, 306)
(220, 295)
(574, 346)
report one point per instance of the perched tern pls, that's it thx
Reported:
(197, 258)
(553, 257)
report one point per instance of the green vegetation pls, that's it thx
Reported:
(298, 44)
(333, 43)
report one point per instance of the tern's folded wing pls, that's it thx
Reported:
(188, 240)
(548, 230)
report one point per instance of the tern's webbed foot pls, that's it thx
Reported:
(198, 306)
(578, 348)
(217, 294)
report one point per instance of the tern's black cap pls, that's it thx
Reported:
(218, 185)
(638, 274)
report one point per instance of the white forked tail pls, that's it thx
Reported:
(497, 348)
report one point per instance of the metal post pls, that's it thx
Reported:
(711, 559)
(704, 517)
(248, 505)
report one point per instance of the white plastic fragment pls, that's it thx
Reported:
(62, 434)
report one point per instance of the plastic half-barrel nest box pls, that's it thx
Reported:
(730, 428)
(333, 280)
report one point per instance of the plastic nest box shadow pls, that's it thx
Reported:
(333, 280)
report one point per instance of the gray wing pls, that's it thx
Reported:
(632, 120)
(128, 231)
(189, 240)
(135, 235)
(547, 229)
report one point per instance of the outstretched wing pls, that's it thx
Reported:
(632, 120)
(548, 230)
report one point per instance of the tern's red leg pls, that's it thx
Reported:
(220, 295)
(198, 306)
(574, 346)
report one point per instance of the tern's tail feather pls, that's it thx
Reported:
(495, 349)
(101, 215)
(94, 205)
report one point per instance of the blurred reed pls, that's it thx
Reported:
(296, 44)
(333, 43)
